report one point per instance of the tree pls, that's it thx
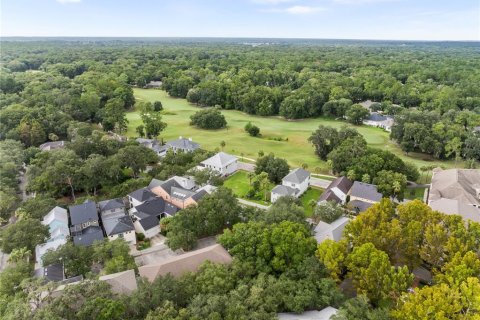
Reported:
(12, 276)
(356, 114)
(20, 254)
(113, 116)
(252, 130)
(157, 106)
(153, 123)
(284, 209)
(328, 211)
(222, 144)
(263, 183)
(391, 184)
(136, 158)
(140, 130)
(208, 119)
(276, 168)
(324, 140)
(333, 256)
(76, 259)
(26, 233)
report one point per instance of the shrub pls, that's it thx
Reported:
(208, 119)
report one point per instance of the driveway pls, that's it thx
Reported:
(252, 204)
(320, 183)
(250, 167)
(154, 254)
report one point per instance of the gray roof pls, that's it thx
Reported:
(181, 193)
(52, 272)
(332, 231)
(118, 225)
(365, 191)
(458, 184)
(171, 209)
(377, 117)
(199, 195)
(220, 160)
(84, 212)
(359, 206)
(454, 206)
(183, 144)
(149, 222)
(88, 236)
(111, 204)
(328, 195)
(297, 176)
(284, 190)
(342, 183)
(142, 194)
(52, 145)
(155, 183)
(154, 207)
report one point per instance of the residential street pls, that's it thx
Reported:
(252, 204)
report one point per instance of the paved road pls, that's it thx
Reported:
(320, 183)
(252, 204)
(250, 167)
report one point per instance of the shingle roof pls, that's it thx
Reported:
(220, 160)
(365, 191)
(284, 190)
(328, 195)
(149, 222)
(169, 184)
(111, 204)
(331, 231)
(56, 213)
(121, 282)
(171, 209)
(181, 193)
(342, 183)
(155, 183)
(454, 206)
(142, 194)
(52, 272)
(297, 176)
(184, 144)
(154, 207)
(359, 206)
(52, 145)
(84, 212)
(89, 236)
(118, 225)
(187, 262)
(377, 117)
(199, 195)
(459, 184)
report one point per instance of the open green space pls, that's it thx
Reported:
(297, 150)
(239, 183)
(310, 194)
(414, 193)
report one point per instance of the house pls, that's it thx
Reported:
(187, 262)
(154, 145)
(139, 196)
(336, 191)
(121, 282)
(376, 119)
(179, 191)
(85, 223)
(57, 222)
(456, 191)
(116, 222)
(146, 217)
(332, 231)
(153, 84)
(363, 195)
(293, 184)
(53, 272)
(223, 163)
(183, 145)
(52, 145)
(324, 314)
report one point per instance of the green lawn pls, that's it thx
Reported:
(414, 193)
(311, 193)
(296, 150)
(240, 184)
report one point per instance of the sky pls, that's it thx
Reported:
(323, 19)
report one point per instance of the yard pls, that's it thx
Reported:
(414, 193)
(294, 147)
(310, 194)
(240, 184)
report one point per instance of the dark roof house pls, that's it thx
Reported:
(365, 191)
(117, 225)
(88, 236)
(142, 195)
(83, 213)
(186, 145)
(154, 207)
(111, 204)
(52, 272)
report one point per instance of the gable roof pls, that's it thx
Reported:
(88, 236)
(181, 193)
(377, 117)
(52, 272)
(153, 207)
(56, 214)
(84, 212)
(284, 190)
(171, 209)
(155, 183)
(183, 144)
(220, 160)
(366, 191)
(52, 145)
(360, 205)
(324, 314)
(458, 184)
(142, 194)
(328, 195)
(111, 204)
(454, 206)
(187, 262)
(121, 282)
(149, 222)
(332, 230)
(297, 176)
(117, 225)
(199, 195)
(342, 183)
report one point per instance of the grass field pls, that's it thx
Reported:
(240, 184)
(414, 193)
(311, 194)
(296, 150)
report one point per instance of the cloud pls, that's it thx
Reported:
(272, 2)
(68, 1)
(303, 9)
(361, 1)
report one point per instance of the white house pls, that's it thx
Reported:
(376, 119)
(336, 191)
(293, 184)
(116, 222)
(57, 222)
(332, 231)
(223, 163)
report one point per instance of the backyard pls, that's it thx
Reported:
(294, 145)
(239, 183)
(310, 194)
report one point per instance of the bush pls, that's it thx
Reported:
(140, 236)
(208, 119)
(252, 130)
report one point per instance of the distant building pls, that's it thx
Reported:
(52, 145)
(187, 262)
(332, 231)
(293, 184)
(183, 145)
(456, 191)
(116, 222)
(154, 145)
(85, 223)
(223, 163)
(153, 85)
(376, 119)
(337, 191)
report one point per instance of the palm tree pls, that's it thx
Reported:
(397, 187)
(264, 183)
(312, 203)
(250, 176)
